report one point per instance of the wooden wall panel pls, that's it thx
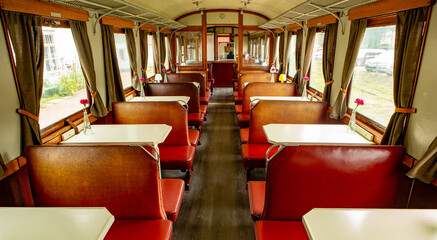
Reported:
(117, 22)
(386, 7)
(320, 21)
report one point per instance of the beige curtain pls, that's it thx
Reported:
(266, 46)
(287, 52)
(26, 37)
(156, 53)
(169, 53)
(179, 57)
(281, 63)
(426, 169)
(275, 52)
(132, 51)
(308, 54)
(328, 59)
(114, 86)
(163, 49)
(358, 28)
(144, 46)
(298, 56)
(84, 50)
(409, 30)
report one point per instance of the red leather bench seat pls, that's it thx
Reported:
(257, 195)
(196, 119)
(238, 108)
(194, 136)
(172, 193)
(280, 230)
(254, 155)
(176, 157)
(243, 120)
(140, 229)
(203, 108)
(244, 135)
(255, 76)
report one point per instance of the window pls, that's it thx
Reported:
(373, 75)
(255, 48)
(64, 83)
(316, 73)
(292, 59)
(191, 49)
(123, 59)
(150, 71)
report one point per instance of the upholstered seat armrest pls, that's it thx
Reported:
(172, 193)
(257, 192)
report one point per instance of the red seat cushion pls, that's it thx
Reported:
(176, 157)
(280, 230)
(254, 155)
(244, 135)
(204, 100)
(238, 108)
(243, 120)
(196, 119)
(211, 80)
(203, 108)
(172, 193)
(257, 194)
(235, 94)
(194, 136)
(140, 229)
(235, 84)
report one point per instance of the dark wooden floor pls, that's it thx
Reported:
(216, 206)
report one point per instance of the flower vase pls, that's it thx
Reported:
(177, 69)
(304, 91)
(273, 78)
(86, 124)
(165, 78)
(351, 125)
(142, 94)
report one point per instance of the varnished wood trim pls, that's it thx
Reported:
(191, 29)
(253, 28)
(293, 27)
(119, 30)
(204, 40)
(11, 167)
(165, 30)
(382, 21)
(278, 30)
(222, 25)
(117, 22)
(320, 21)
(44, 9)
(240, 41)
(147, 27)
(221, 10)
(385, 7)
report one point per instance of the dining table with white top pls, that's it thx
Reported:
(54, 223)
(365, 224)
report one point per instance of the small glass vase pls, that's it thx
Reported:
(86, 124)
(273, 78)
(351, 126)
(177, 69)
(304, 91)
(142, 94)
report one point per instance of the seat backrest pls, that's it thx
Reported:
(123, 179)
(177, 89)
(170, 113)
(254, 77)
(189, 77)
(291, 112)
(301, 178)
(266, 89)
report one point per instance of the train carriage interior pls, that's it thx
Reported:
(202, 119)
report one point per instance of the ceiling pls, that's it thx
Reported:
(175, 8)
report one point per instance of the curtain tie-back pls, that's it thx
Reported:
(76, 130)
(343, 90)
(405, 110)
(135, 73)
(142, 69)
(27, 114)
(94, 94)
(327, 83)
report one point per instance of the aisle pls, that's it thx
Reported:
(217, 206)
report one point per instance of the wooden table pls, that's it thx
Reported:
(366, 224)
(254, 100)
(54, 223)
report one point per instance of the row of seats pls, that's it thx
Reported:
(124, 179)
(300, 178)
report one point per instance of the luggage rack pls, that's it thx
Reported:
(312, 9)
(121, 9)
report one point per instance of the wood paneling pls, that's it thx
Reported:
(44, 9)
(293, 27)
(320, 21)
(253, 28)
(147, 27)
(240, 41)
(385, 7)
(117, 22)
(191, 29)
(223, 72)
(222, 10)
(382, 21)
(204, 41)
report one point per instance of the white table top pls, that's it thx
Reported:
(54, 223)
(296, 134)
(181, 99)
(123, 134)
(365, 224)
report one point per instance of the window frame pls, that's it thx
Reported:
(375, 128)
(293, 33)
(314, 92)
(121, 30)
